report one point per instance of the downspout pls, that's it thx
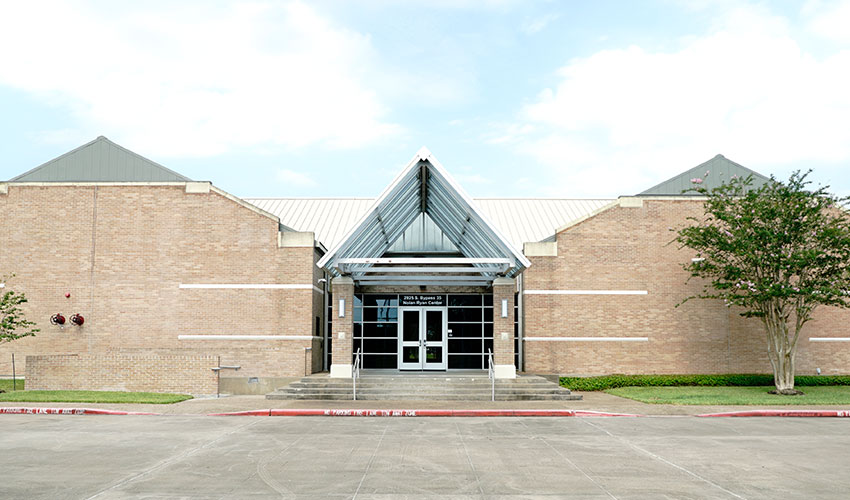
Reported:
(325, 321)
(520, 322)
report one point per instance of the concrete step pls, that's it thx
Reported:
(443, 387)
(420, 397)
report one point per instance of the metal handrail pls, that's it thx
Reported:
(491, 374)
(355, 374)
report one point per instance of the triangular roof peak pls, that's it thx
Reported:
(100, 160)
(424, 153)
(424, 186)
(713, 173)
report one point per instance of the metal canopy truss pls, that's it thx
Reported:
(424, 187)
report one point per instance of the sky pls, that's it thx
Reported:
(558, 99)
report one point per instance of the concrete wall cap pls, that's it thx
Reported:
(198, 187)
(4, 188)
(630, 202)
(296, 239)
(504, 281)
(540, 249)
(342, 280)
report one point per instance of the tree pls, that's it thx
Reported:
(777, 252)
(13, 324)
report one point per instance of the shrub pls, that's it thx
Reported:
(736, 379)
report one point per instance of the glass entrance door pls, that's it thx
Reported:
(422, 343)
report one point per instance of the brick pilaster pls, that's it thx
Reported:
(343, 327)
(503, 328)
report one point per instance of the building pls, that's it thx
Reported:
(173, 277)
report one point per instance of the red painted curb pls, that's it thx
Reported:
(780, 413)
(26, 410)
(419, 413)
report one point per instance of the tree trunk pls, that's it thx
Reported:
(781, 352)
(783, 376)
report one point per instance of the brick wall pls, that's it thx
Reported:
(122, 251)
(628, 248)
(188, 373)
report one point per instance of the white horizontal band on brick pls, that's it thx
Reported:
(244, 337)
(829, 339)
(251, 286)
(587, 339)
(584, 292)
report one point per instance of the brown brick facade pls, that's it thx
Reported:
(179, 373)
(122, 253)
(628, 248)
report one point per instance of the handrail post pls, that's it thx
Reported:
(355, 374)
(491, 374)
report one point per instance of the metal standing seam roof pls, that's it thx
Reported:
(713, 173)
(100, 160)
(520, 220)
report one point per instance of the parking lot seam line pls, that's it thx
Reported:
(576, 467)
(169, 461)
(371, 461)
(269, 479)
(469, 460)
(664, 461)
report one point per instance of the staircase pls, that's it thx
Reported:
(418, 387)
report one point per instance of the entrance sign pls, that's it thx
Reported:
(423, 300)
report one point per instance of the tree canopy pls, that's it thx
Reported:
(13, 324)
(777, 252)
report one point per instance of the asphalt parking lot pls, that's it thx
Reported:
(46, 456)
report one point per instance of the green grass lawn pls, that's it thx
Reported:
(821, 395)
(21, 396)
(6, 384)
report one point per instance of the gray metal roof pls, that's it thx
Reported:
(714, 173)
(101, 160)
(520, 220)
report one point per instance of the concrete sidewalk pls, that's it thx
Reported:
(592, 401)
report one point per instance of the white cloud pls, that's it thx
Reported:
(830, 20)
(538, 24)
(196, 79)
(295, 179)
(747, 90)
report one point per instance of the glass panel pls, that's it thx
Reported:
(465, 330)
(358, 299)
(380, 346)
(465, 346)
(488, 300)
(379, 314)
(358, 314)
(389, 330)
(380, 361)
(488, 330)
(466, 362)
(410, 354)
(465, 314)
(488, 314)
(411, 326)
(433, 326)
(464, 300)
(380, 300)
(434, 354)
(488, 344)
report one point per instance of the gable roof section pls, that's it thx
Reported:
(101, 160)
(520, 220)
(424, 186)
(720, 169)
